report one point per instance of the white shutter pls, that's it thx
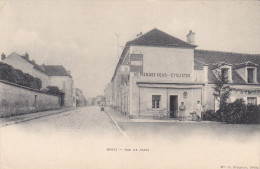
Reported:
(258, 100)
(149, 101)
(245, 99)
(232, 99)
(162, 102)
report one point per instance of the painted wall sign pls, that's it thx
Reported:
(169, 75)
(136, 63)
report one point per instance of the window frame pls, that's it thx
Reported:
(254, 75)
(252, 98)
(156, 104)
(226, 70)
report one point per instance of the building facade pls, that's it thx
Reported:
(50, 75)
(156, 72)
(80, 98)
(108, 94)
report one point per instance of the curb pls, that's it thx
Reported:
(37, 117)
(117, 126)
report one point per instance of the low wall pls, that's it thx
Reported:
(16, 100)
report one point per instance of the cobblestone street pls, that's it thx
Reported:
(89, 121)
(90, 138)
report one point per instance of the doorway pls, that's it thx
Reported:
(62, 99)
(173, 106)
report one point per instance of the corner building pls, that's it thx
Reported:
(156, 72)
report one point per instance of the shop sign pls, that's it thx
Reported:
(163, 75)
(136, 62)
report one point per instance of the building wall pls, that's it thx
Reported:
(211, 103)
(167, 60)
(108, 94)
(15, 100)
(65, 83)
(20, 63)
(198, 76)
(141, 97)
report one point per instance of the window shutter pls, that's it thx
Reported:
(163, 102)
(232, 99)
(245, 99)
(149, 102)
(258, 100)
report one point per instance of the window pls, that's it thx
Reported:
(250, 75)
(156, 101)
(224, 74)
(252, 100)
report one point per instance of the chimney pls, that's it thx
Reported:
(139, 34)
(191, 38)
(26, 56)
(3, 56)
(69, 72)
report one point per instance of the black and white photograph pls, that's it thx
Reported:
(126, 84)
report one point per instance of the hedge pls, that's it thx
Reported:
(10, 74)
(236, 112)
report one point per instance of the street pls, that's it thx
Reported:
(87, 121)
(88, 138)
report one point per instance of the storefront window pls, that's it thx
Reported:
(156, 101)
(252, 100)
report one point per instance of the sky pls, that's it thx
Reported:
(81, 35)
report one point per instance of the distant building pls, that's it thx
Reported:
(80, 98)
(50, 75)
(100, 100)
(156, 72)
(108, 94)
(61, 78)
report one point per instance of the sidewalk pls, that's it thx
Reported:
(6, 121)
(119, 117)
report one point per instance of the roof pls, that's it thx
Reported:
(212, 58)
(198, 65)
(51, 70)
(156, 37)
(244, 64)
(56, 70)
(35, 66)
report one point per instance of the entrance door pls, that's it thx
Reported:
(173, 106)
(62, 100)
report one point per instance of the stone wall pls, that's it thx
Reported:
(16, 100)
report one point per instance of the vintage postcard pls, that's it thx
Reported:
(128, 84)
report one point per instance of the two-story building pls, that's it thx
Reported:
(156, 72)
(50, 75)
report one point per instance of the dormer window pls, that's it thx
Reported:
(248, 71)
(223, 71)
(251, 75)
(225, 74)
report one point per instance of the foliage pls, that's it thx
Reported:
(53, 90)
(209, 115)
(10, 74)
(221, 93)
(238, 112)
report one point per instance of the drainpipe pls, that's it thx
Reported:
(167, 109)
(139, 100)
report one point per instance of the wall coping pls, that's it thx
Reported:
(25, 87)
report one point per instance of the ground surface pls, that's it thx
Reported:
(88, 138)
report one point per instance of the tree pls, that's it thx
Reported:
(221, 93)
